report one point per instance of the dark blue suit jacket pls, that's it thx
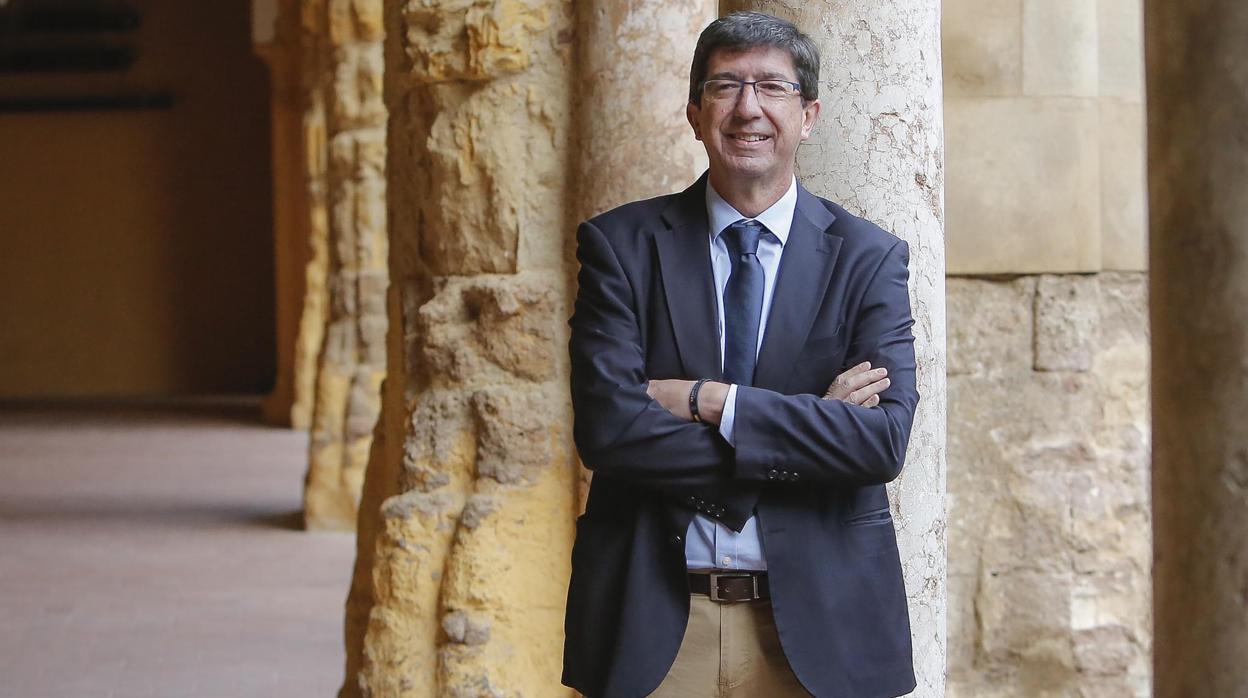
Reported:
(813, 469)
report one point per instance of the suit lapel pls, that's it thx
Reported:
(802, 281)
(688, 282)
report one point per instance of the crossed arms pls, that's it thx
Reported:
(632, 429)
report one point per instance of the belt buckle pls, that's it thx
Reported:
(715, 577)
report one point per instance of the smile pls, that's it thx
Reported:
(750, 137)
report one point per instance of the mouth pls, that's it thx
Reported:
(749, 137)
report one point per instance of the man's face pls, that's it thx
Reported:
(748, 138)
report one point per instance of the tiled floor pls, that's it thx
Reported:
(155, 552)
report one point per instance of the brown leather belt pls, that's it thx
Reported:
(730, 586)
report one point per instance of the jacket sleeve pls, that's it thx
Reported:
(804, 438)
(620, 431)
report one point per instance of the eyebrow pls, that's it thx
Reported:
(770, 75)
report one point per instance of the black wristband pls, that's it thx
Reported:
(693, 399)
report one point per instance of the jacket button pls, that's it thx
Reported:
(771, 474)
(676, 540)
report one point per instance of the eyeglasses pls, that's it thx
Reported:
(722, 90)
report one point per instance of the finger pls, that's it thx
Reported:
(865, 378)
(861, 395)
(855, 370)
(843, 385)
(871, 401)
(859, 368)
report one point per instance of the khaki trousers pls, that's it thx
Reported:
(730, 650)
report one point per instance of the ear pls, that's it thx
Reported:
(810, 114)
(691, 113)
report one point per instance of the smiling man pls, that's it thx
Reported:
(743, 379)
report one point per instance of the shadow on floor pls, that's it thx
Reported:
(223, 410)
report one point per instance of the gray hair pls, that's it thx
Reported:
(742, 31)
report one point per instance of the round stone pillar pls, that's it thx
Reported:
(353, 356)
(466, 527)
(508, 125)
(1197, 72)
(634, 58)
(878, 151)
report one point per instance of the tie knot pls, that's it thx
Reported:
(742, 237)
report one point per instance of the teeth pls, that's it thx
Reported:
(751, 138)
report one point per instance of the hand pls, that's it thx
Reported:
(673, 395)
(860, 385)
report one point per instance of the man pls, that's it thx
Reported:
(737, 539)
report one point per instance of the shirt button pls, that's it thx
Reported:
(726, 561)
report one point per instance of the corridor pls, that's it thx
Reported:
(157, 551)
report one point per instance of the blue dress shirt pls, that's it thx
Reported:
(708, 543)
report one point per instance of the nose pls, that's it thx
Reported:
(747, 105)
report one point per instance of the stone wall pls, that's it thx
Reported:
(1045, 133)
(1048, 479)
(1049, 590)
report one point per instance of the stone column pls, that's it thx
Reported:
(508, 126)
(279, 47)
(463, 564)
(312, 68)
(634, 79)
(878, 151)
(352, 362)
(1197, 72)
(634, 60)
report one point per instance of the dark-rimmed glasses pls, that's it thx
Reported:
(725, 90)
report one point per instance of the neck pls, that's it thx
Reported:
(750, 197)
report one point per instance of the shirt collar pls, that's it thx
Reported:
(778, 218)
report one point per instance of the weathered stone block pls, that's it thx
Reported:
(1124, 211)
(515, 428)
(356, 94)
(1067, 309)
(1023, 185)
(440, 444)
(1107, 650)
(472, 39)
(982, 48)
(1049, 484)
(1025, 614)
(516, 324)
(1059, 48)
(485, 326)
(1015, 439)
(993, 331)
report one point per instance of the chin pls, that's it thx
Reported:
(750, 168)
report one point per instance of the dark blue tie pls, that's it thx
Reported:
(743, 301)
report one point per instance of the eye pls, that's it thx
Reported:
(721, 88)
(776, 89)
